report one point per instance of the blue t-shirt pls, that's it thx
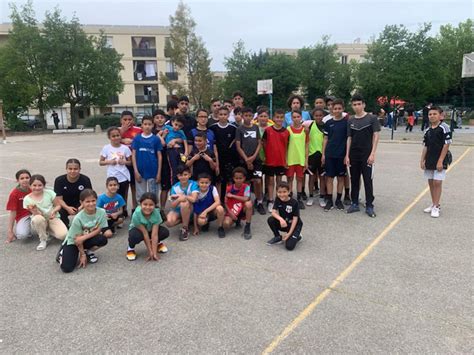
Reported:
(188, 190)
(110, 204)
(172, 134)
(288, 121)
(146, 155)
(336, 131)
(211, 138)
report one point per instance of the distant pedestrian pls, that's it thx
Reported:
(55, 119)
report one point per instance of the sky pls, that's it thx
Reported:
(265, 24)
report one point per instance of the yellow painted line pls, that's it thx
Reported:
(344, 274)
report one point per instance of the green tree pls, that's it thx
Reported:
(343, 80)
(246, 68)
(188, 52)
(318, 65)
(452, 44)
(87, 71)
(25, 70)
(401, 64)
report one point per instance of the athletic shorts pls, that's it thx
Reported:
(295, 169)
(257, 172)
(132, 174)
(274, 170)
(315, 165)
(435, 174)
(335, 167)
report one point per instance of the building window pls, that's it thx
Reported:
(344, 59)
(167, 47)
(144, 46)
(109, 41)
(144, 70)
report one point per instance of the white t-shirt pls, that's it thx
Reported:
(116, 153)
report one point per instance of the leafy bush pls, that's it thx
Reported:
(104, 121)
(16, 124)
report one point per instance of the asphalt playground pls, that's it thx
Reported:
(399, 283)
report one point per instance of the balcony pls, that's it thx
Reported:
(172, 75)
(142, 99)
(144, 52)
(142, 77)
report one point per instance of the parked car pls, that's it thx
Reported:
(138, 117)
(31, 121)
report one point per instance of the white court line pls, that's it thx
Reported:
(7, 178)
(4, 215)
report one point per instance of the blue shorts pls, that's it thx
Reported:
(335, 167)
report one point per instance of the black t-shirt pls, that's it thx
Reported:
(434, 139)
(362, 130)
(201, 165)
(287, 209)
(225, 144)
(189, 124)
(211, 121)
(336, 131)
(70, 191)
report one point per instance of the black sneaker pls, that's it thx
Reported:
(205, 228)
(301, 205)
(91, 257)
(261, 209)
(275, 240)
(184, 235)
(329, 206)
(347, 200)
(353, 208)
(247, 232)
(339, 205)
(238, 225)
(59, 255)
(221, 232)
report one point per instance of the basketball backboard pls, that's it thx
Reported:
(468, 66)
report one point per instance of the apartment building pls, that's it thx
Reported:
(346, 51)
(144, 58)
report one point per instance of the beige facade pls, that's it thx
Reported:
(346, 51)
(144, 58)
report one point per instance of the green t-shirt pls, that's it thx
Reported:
(138, 218)
(316, 137)
(296, 146)
(83, 223)
(45, 205)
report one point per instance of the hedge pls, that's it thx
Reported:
(104, 121)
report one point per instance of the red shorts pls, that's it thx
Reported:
(295, 169)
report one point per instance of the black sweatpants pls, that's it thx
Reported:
(357, 168)
(275, 226)
(135, 235)
(70, 253)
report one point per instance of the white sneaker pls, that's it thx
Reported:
(270, 207)
(42, 245)
(428, 209)
(310, 201)
(435, 212)
(322, 202)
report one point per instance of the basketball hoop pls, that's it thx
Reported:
(265, 87)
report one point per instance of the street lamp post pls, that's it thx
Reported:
(2, 123)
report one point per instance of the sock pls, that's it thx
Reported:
(247, 224)
(298, 195)
(130, 248)
(322, 196)
(329, 197)
(338, 198)
(347, 193)
(259, 201)
(311, 195)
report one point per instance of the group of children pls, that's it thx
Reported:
(207, 172)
